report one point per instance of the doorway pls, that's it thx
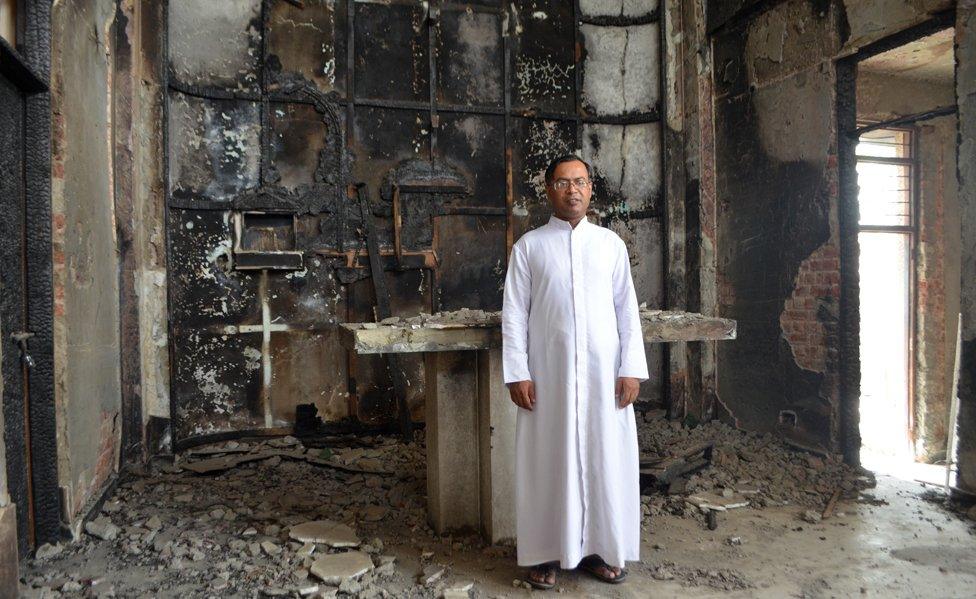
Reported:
(896, 115)
(886, 236)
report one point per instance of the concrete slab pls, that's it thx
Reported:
(336, 567)
(327, 532)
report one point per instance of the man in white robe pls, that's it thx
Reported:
(573, 358)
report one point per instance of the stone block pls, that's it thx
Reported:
(453, 501)
(496, 439)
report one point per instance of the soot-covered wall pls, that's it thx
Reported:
(448, 112)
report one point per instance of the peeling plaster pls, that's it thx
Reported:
(793, 116)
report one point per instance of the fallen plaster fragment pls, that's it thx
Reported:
(811, 516)
(431, 574)
(713, 501)
(102, 528)
(327, 532)
(375, 513)
(462, 591)
(46, 551)
(335, 568)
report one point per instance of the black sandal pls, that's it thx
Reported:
(545, 570)
(593, 564)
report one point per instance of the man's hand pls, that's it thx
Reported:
(523, 394)
(627, 389)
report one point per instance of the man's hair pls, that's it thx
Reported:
(566, 158)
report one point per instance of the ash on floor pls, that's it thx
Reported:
(347, 518)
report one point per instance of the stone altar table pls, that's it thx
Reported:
(471, 444)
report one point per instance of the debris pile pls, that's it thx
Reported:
(261, 518)
(721, 579)
(745, 469)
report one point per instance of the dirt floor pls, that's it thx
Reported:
(225, 530)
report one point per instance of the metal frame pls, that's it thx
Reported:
(350, 100)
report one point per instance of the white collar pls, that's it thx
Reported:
(565, 225)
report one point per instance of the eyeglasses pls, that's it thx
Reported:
(579, 182)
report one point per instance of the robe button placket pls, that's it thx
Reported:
(579, 317)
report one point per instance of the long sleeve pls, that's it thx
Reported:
(633, 362)
(515, 317)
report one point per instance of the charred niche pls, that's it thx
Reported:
(266, 241)
(419, 191)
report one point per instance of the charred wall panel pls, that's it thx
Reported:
(308, 44)
(776, 146)
(434, 107)
(471, 60)
(392, 51)
(544, 63)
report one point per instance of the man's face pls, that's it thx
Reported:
(569, 199)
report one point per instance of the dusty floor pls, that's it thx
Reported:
(175, 533)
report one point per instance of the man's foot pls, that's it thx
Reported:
(599, 569)
(542, 576)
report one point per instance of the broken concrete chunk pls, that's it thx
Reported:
(332, 569)
(154, 523)
(270, 548)
(307, 590)
(431, 574)
(47, 551)
(72, 586)
(386, 566)
(350, 586)
(375, 513)
(811, 516)
(305, 550)
(102, 528)
(327, 532)
(461, 591)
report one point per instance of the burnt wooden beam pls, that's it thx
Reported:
(383, 310)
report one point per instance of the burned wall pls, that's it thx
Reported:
(448, 114)
(777, 222)
(780, 235)
(141, 79)
(4, 492)
(966, 100)
(86, 265)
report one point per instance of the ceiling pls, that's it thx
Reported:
(930, 58)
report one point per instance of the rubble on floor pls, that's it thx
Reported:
(260, 518)
(345, 516)
(721, 579)
(743, 469)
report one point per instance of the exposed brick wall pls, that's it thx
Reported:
(817, 286)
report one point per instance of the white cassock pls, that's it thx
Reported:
(570, 324)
